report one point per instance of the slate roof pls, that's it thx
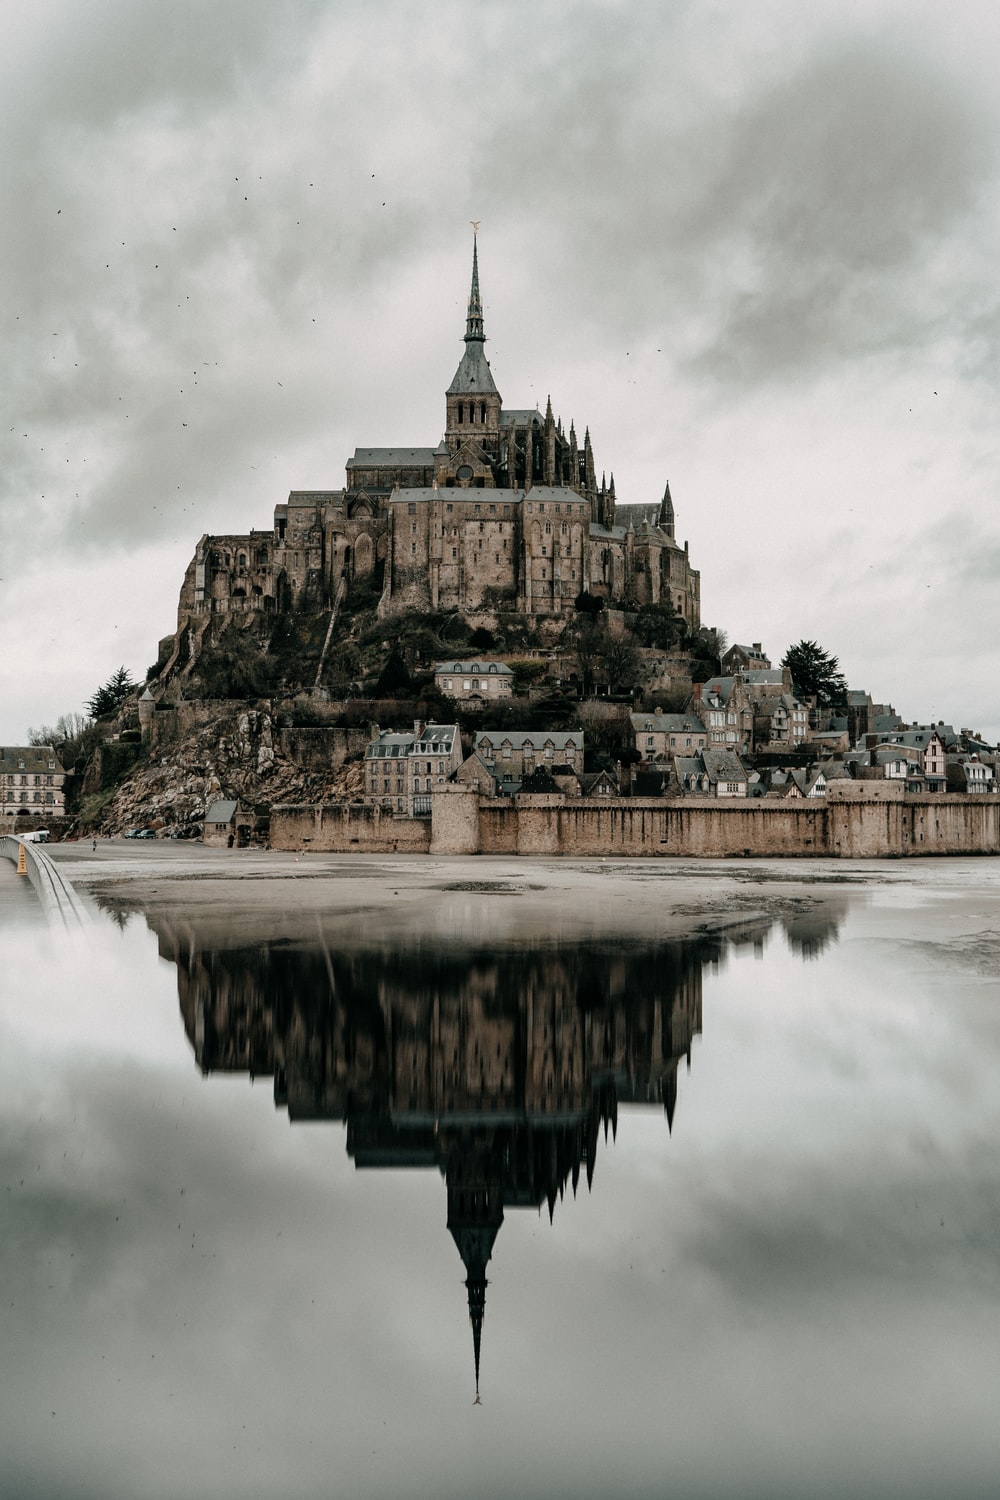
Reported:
(689, 765)
(310, 498)
(435, 738)
(474, 668)
(520, 416)
(721, 687)
(473, 376)
(35, 757)
(667, 724)
(537, 739)
(886, 723)
(221, 811)
(723, 765)
(375, 458)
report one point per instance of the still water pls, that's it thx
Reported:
(485, 1199)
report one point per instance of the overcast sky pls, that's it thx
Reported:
(753, 248)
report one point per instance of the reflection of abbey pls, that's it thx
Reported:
(506, 512)
(500, 1069)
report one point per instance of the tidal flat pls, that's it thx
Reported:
(725, 1132)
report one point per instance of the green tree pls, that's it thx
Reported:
(107, 700)
(394, 680)
(815, 674)
(658, 625)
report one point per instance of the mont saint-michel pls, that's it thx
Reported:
(475, 647)
(416, 523)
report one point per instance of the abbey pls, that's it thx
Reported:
(505, 513)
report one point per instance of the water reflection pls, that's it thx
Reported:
(501, 1067)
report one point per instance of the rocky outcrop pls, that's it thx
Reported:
(234, 754)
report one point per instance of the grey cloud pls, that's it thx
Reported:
(90, 63)
(773, 231)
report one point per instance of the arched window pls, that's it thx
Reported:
(461, 413)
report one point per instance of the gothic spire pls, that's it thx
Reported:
(473, 375)
(474, 320)
(667, 511)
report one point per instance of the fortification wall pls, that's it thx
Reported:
(875, 828)
(348, 828)
(463, 822)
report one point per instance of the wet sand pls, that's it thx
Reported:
(242, 894)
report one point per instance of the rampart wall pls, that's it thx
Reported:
(464, 822)
(348, 828)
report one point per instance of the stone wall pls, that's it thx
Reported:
(464, 822)
(348, 828)
(718, 828)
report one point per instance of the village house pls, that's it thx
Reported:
(402, 770)
(31, 784)
(714, 773)
(928, 743)
(598, 784)
(226, 825)
(517, 752)
(744, 658)
(780, 721)
(967, 773)
(488, 680)
(723, 706)
(783, 784)
(659, 737)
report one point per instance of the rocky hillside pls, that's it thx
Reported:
(234, 754)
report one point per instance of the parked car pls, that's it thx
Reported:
(146, 833)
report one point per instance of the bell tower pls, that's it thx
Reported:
(472, 400)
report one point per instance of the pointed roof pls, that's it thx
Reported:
(473, 374)
(667, 508)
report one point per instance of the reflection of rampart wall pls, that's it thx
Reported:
(465, 823)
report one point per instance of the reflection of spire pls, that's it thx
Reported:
(477, 1307)
(475, 1213)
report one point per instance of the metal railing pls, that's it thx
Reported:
(57, 898)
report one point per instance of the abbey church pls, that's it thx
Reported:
(504, 514)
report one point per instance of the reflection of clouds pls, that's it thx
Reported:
(784, 1250)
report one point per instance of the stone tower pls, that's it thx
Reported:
(472, 399)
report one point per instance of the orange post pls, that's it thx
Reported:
(22, 863)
